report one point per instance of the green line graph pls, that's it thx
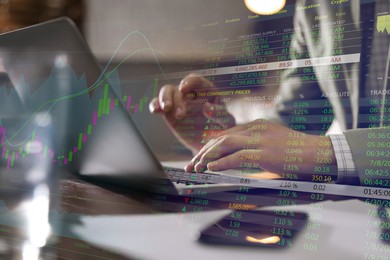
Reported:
(13, 146)
(103, 77)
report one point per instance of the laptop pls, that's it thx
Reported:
(53, 73)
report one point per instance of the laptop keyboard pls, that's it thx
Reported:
(182, 177)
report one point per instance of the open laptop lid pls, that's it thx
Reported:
(93, 134)
(53, 71)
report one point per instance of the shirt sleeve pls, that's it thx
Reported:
(346, 168)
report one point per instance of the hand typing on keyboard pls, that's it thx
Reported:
(265, 145)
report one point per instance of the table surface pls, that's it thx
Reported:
(103, 221)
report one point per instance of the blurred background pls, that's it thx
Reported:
(161, 38)
(16, 14)
(105, 23)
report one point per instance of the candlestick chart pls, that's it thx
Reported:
(73, 116)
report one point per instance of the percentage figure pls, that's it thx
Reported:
(298, 119)
(292, 176)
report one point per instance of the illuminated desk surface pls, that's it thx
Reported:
(109, 222)
(342, 235)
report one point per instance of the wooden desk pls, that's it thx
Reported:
(84, 197)
(76, 197)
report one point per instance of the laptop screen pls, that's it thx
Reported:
(49, 71)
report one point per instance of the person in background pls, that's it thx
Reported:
(358, 156)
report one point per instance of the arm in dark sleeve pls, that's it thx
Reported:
(292, 88)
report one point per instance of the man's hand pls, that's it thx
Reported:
(192, 112)
(264, 145)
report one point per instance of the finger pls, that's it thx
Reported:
(179, 107)
(221, 147)
(190, 167)
(166, 96)
(242, 159)
(225, 146)
(154, 106)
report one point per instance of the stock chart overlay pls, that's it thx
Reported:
(318, 76)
